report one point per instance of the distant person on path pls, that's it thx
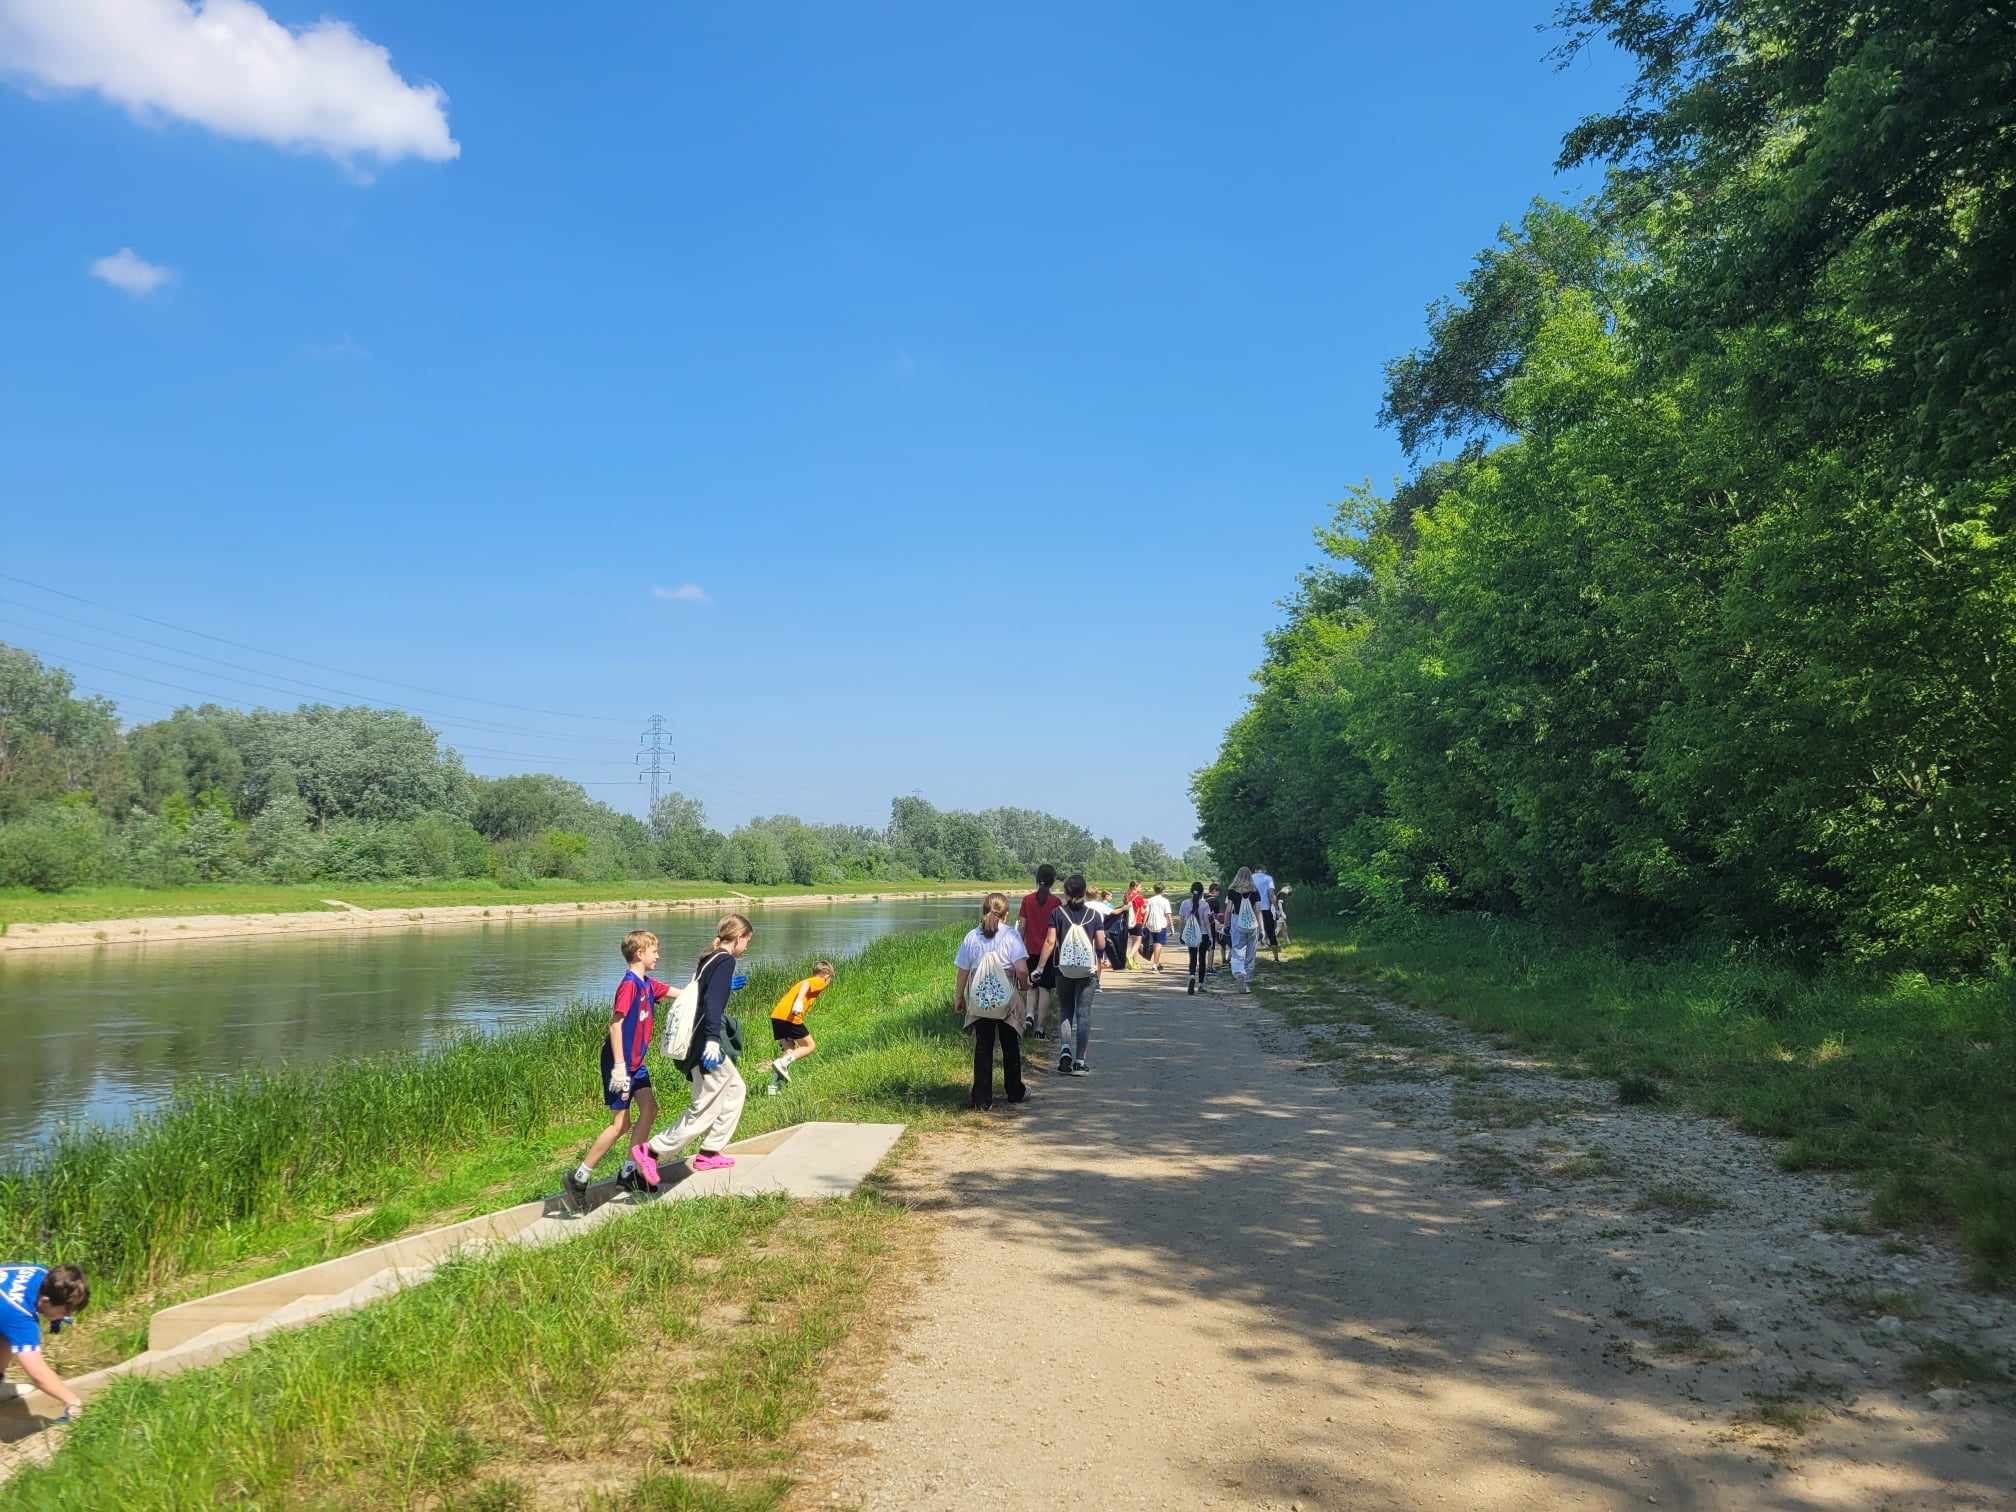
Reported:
(1215, 901)
(1136, 906)
(626, 1079)
(989, 972)
(31, 1295)
(1264, 885)
(718, 1089)
(1281, 919)
(1242, 915)
(1101, 904)
(1073, 946)
(1115, 930)
(1197, 926)
(787, 1024)
(1036, 910)
(1156, 914)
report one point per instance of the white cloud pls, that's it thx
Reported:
(685, 593)
(227, 65)
(127, 270)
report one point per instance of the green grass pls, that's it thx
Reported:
(655, 1362)
(85, 905)
(263, 1172)
(1899, 1078)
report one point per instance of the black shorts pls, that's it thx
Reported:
(1046, 978)
(787, 1033)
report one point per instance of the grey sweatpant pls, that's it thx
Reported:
(711, 1117)
(1074, 1002)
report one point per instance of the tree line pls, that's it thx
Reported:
(354, 794)
(1697, 610)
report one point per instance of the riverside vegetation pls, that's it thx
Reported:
(264, 1172)
(1664, 712)
(342, 796)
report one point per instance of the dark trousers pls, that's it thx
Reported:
(1267, 923)
(985, 1032)
(1200, 960)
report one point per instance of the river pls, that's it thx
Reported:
(99, 1035)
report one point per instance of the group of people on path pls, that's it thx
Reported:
(1007, 980)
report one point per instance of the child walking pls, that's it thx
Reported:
(718, 1089)
(626, 1080)
(787, 1024)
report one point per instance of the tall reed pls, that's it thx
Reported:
(135, 1204)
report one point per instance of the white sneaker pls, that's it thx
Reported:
(771, 1090)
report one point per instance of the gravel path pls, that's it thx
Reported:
(1241, 1267)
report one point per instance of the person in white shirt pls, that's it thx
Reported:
(1264, 885)
(1155, 927)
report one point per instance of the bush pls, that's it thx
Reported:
(57, 846)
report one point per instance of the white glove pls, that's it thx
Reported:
(619, 1081)
(710, 1056)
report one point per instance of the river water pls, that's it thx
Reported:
(99, 1035)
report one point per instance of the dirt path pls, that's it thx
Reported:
(1387, 1266)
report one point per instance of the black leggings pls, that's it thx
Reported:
(1200, 960)
(1071, 991)
(985, 1032)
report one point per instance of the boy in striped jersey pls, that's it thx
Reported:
(626, 1079)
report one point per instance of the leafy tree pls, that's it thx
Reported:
(52, 742)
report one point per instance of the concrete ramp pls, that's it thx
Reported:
(811, 1160)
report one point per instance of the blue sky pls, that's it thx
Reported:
(980, 373)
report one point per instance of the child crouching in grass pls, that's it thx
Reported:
(626, 1079)
(787, 1024)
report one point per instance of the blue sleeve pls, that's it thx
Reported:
(20, 1291)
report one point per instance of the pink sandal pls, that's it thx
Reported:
(706, 1162)
(642, 1155)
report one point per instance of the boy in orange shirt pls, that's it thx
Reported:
(787, 1024)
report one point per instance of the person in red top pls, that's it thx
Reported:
(1137, 909)
(626, 1079)
(1036, 910)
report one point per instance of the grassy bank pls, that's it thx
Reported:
(266, 1171)
(1901, 1079)
(509, 1381)
(85, 905)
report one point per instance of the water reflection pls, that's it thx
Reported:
(98, 1035)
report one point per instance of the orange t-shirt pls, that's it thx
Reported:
(798, 997)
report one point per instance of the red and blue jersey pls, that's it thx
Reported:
(636, 996)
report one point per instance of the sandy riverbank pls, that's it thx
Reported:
(343, 917)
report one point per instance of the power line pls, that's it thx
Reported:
(302, 660)
(208, 694)
(487, 725)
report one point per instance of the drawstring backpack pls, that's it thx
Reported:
(685, 1011)
(1193, 932)
(989, 992)
(1248, 920)
(1074, 955)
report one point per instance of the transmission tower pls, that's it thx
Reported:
(657, 753)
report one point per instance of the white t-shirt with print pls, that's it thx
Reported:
(1007, 944)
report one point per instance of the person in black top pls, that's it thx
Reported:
(718, 1089)
(1076, 979)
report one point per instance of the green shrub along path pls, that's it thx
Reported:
(264, 1172)
(1903, 1080)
